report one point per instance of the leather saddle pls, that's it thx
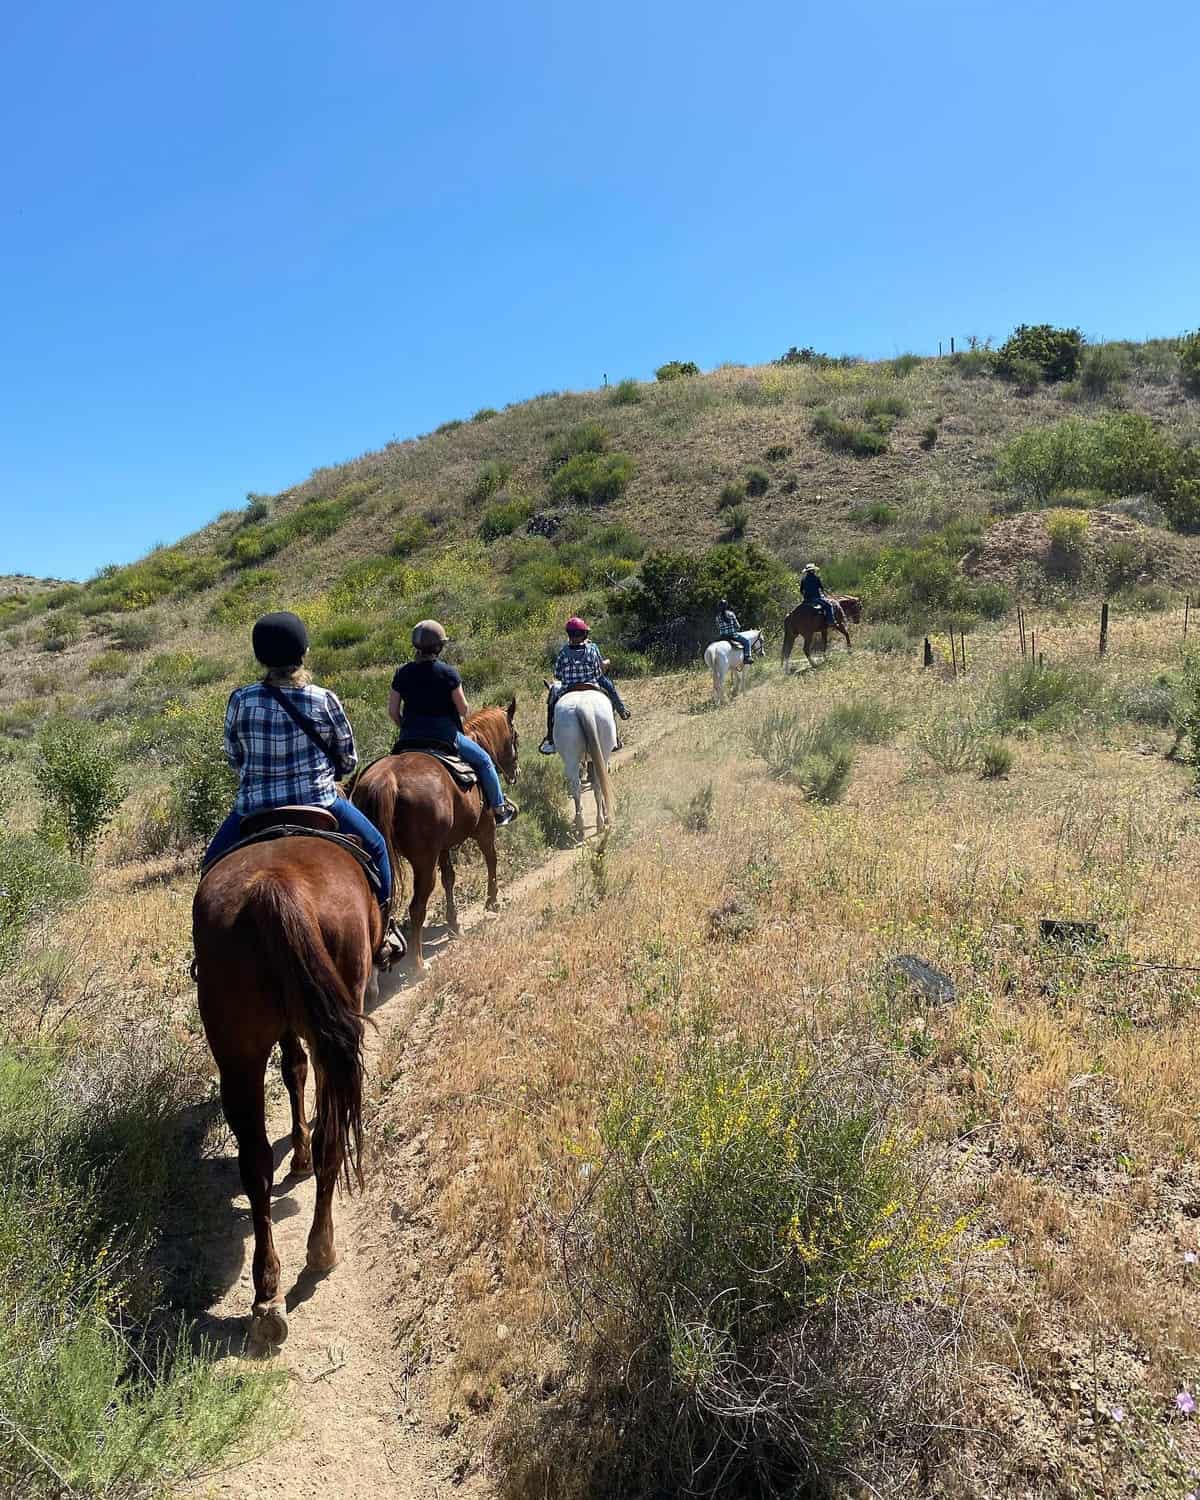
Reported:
(293, 822)
(463, 774)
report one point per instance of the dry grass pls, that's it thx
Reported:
(1055, 1098)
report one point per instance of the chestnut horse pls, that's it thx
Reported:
(807, 621)
(424, 814)
(284, 932)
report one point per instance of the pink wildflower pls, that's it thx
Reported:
(1186, 1403)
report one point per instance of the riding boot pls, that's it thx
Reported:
(393, 945)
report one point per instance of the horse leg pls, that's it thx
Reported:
(844, 632)
(808, 640)
(293, 1064)
(327, 1154)
(486, 840)
(242, 1098)
(789, 640)
(423, 882)
(446, 865)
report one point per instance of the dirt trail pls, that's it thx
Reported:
(354, 1430)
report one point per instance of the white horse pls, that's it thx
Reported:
(726, 662)
(584, 728)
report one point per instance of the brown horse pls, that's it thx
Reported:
(284, 932)
(423, 814)
(807, 621)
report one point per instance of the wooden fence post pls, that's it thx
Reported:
(1021, 629)
(1187, 609)
(963, 637)
(928, 653)
(1104, 627)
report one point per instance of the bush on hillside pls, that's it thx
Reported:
(905, 364)
(777, 452)
(110, 664)
(78, 777)
(447, 427)
(974, 364)
(673, 586)
(504, 518)
(848, 437)
(1120, 453)
(735, 518)
(1025, 374)
(885, 411)
(625, 393)
(593, 478)
(411, 535)
(492, 478)
(1050, 697)
(758, 482)
(1189, 362)
(676, 369)
(485, 414)
(1105, 366)
(35, 883)
(590, 437)
(743, 1273)
(1068, 542)
(732, 493)
(1055, 351)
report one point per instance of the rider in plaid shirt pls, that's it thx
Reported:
(278, 765)
(579, 661)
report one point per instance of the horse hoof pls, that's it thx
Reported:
(322, 1259)
(492, 906)
(268, 1323)
(302, 1163)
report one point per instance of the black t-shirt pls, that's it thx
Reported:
(426, 688)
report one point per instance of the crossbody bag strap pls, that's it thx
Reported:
(304, 723)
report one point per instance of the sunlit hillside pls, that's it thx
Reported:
(829, 1129)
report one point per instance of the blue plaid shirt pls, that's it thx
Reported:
(577, 664)
(278, 764)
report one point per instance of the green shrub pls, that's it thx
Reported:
(848, 437)
(447, 427)
(258, 508)
(905, 364)
(502, 520)
(625, 393)
(1189, 362)
(1120, 453)
(1047, 697)
(1154, 702)
(1104, 367)
(676, 369)
(1144, 598)
(485, 414)
(203, 786)
(736, 519)
(411, 535)
(594, 478)
(865, 721)
(878, 513)
(1025, 374)
(995, 760)
(341, 633)
(246, 598)
(890, 640)
(974, 364)
(674, 585)
(1120, 562)
(777, 452)
(1068, 541)
(109, 664)
(745, 1274)
(886, 410)
(492, 478)
(809, 755)
(165, 571)
(1055, 351)
(36, 882)
(1187, 712)
(929, 436)
(591, 437)
(758, 481)
(78, 777)
(137, 633)
(61, 630)
(732, 493)
(542, 799)
(950, 742)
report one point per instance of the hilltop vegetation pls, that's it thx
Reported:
(942, 491)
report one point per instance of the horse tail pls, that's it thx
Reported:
(789, 638)
(376, 798)
(599, 769)
(320, 1007)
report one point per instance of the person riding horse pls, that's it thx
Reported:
(427, 703)
(290, 741)
(812, 591)
(577, 663)
(729, 630)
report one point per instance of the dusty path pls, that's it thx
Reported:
(355, 1431)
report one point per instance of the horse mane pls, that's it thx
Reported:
(489, 727)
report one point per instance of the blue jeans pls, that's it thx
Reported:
(349, 820)
(484, 767)
(739, 640)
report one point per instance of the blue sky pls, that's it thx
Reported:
(241, 241)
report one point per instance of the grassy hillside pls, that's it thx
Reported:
(997, 1196)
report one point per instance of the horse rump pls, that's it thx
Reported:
(321, 1009)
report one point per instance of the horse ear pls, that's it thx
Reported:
(512, 708)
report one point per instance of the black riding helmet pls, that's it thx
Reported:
(280, 639)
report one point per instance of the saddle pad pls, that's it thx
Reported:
(294, 830)
(464, 775)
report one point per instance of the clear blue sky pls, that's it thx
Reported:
(241, 241)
